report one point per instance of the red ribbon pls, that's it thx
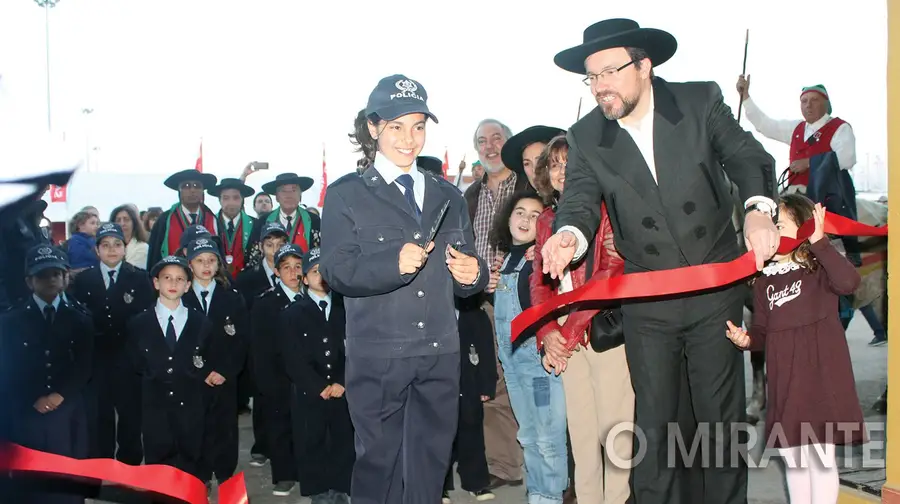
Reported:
(159, 479)
(682, 280)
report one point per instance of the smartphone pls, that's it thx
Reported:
(260, 165)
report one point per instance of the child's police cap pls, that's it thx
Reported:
(311, 259)
(171, 261)
(201, 246)
(397, 96)
(192, 233)
(273, 228)
(44, 256)
(288, 250)
(110, 229)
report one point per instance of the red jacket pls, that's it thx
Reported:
(607, 264)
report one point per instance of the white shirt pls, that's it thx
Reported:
(187, 215)
(642, 134)
(283, 217)
(180, 315)
(390, 172)
(316, 299)
(199, 289)
(104, 272)
(269, 272)
(843, 143)
(288, 292)
(41, 304)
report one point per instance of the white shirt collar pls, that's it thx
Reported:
(163, 313)
(288, 292)
(816, 126)
(41, 304)
(269, 272)
(106, 269)
(236, 220)
(646, 121)
(389, 171)
(316, 298)
(188, 213)
(284, 216)
(199, 288)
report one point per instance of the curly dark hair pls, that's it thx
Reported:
(556, 150)
(799, 209)
(501, 237)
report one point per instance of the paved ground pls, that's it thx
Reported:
(766, 485)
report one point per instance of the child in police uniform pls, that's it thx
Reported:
(269, 369)
(252, 282)
(311, 342)
(168, 346)
(113, 292)
(45, 363)
(211, 293)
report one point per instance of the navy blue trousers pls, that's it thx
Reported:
(405, 414)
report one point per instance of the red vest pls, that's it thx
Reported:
(818, 143)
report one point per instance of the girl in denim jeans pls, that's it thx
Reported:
(537, 397)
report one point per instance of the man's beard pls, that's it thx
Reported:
(613, 114)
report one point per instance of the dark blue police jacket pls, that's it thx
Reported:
(365, 223)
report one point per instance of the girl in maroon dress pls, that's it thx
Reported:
(812, 401)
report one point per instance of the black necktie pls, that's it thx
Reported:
(170, 333)
(288, 219)
(406, 181)
(297, 297)
(274, 279)
(205, 305)
(193, 219)
(112, 278)
(49, 312)
(230, 230)
(324, 306)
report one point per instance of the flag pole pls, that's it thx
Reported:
(743, 71)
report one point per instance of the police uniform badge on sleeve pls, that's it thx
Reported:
(229, 326)
(473, 355)
(198, 362)
(128, 298)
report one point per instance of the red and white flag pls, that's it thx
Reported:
(199, 164)
(446, 166)
(58, 194)
(324, 180)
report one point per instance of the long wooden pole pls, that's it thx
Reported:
(743, 71)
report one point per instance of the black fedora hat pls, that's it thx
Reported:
(231, 183)
(610, 33)
(207, 179)
(511, 154)
(285, 179)
(431, 165)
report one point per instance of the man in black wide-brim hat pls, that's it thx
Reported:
(658, 153)
(302, 226)
(235, 225)
(190, 210)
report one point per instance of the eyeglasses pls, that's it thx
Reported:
(606, 74)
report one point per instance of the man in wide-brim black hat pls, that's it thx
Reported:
(521, 151)
(189, 211)
(661, 155)
(235, 225)
(302, 226)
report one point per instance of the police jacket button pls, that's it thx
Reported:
(421, 325)
(380, 238)
(420, 294)
(324, 340)
(327, 353)
(169, 370)
(171, 393)
(417, 235)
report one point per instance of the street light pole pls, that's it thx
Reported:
(47, 5)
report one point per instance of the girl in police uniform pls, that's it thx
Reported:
(212, 294)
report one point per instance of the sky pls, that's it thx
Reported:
(275, 80)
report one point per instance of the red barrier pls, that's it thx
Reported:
(682, 280)
(160, 479)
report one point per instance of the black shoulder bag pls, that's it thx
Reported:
(606, 330)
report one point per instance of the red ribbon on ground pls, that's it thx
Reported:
(682, 280)
(160, 479)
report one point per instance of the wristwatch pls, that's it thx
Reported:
(762, 207)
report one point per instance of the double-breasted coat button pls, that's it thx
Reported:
(420, 294)
(327, 353)
(417, 235)
(324, 340)
(49, 365)
(327, 366)
(435, 344)
(170, 357)
(421, 325)
(380, 238)
(171, 393)
(46, 352)
(169, 371)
